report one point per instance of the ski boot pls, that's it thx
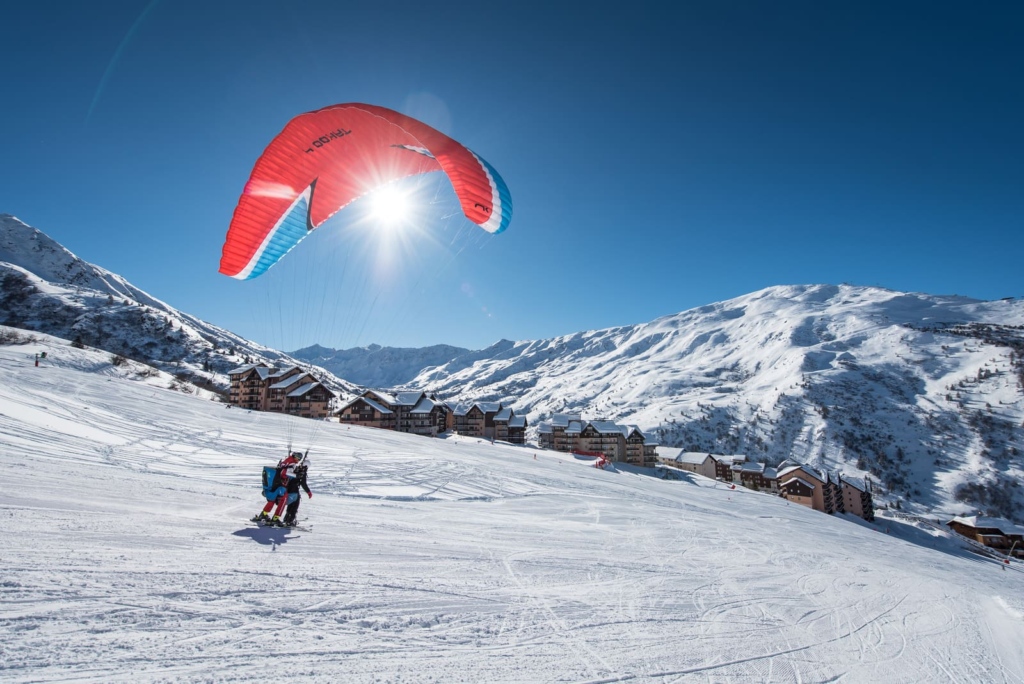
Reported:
(260, 517)
(274, 522)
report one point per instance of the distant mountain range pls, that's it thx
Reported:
(377, 366)
(922, 394)
(46, 288)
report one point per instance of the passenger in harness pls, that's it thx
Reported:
(275, 488)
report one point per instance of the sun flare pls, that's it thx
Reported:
(389, 206)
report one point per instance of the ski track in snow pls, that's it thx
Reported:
(127, 558)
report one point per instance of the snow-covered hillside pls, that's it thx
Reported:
(922, 393)
(126, 558)
(46, 288)
(377, 366)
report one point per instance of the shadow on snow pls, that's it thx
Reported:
(266, 535)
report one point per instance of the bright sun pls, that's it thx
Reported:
(389, 206)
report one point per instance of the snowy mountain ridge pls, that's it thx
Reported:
(920, 393)
(46, 288)
(377, 366)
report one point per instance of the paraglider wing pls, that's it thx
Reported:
(325, 159)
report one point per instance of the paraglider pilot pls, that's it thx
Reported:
(275, 488)
(297, 480)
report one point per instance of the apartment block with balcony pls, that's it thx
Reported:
(622, 443)
(259, 387)
(414, 412)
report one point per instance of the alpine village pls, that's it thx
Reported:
(292, 390)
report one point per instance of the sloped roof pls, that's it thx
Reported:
(409, 398)
(693, 457)
(856, 484)
(376, 407)
(517, 421)
(370, 402)
(504, 414)
(981, 521)
(288, 382)
(545, 428)
(304, 389)
(574, 427)
(800, 480)
(275, 373)
(383, 396)
(424, 405)
(753, 467)
(786, 471)
(243, 369)
(630, 429)
(563, 419)
(484, 406)
(607, 427)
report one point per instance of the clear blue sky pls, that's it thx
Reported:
(659, 157)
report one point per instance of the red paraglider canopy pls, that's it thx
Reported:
(325, 159)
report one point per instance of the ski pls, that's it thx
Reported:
(301, 528)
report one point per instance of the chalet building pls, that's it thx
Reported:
(414, 412)
(602, 437)
(857, 499)
(279, 391)
(639, 451)
(692, 461)
(508, 427)
(476, 419)
(258, 387)
(796, 482)
(996, 533)
(800, 491)
(469, 420)
(756, 476)
(809, 478)
(368, 413)
(622, 443)
(310, 400)
(831, 493)
(517, 429)
(248, 385)
(554, 435)
(428, 416)
(724, 464)
(734, 469)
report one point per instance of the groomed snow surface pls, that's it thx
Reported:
(127, 557)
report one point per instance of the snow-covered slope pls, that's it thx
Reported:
(126, 559)
(922, 393)
(377, 366)
(46, 288)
